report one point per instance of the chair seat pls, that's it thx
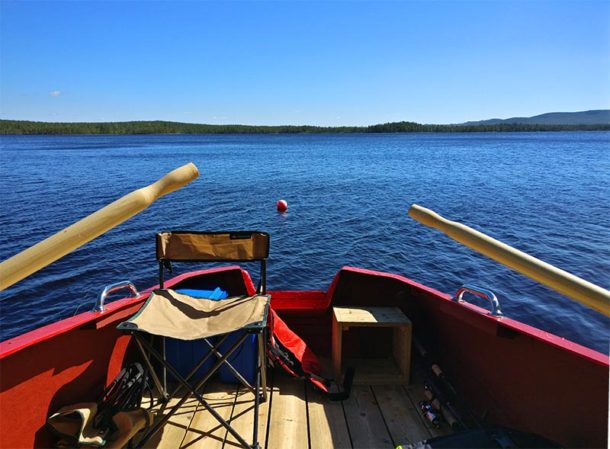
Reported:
(170, 314)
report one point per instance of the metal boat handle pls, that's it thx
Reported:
(99, 304)
(481, 293)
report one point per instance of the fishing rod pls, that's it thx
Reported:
(442, 398)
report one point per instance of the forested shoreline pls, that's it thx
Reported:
(165, 127)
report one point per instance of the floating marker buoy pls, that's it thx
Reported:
(282, 205)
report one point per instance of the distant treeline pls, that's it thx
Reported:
(162, 127)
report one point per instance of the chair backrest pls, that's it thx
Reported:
(225, 246)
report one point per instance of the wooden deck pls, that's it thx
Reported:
(296, 415)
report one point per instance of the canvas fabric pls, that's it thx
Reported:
(74, 425)
(171, 314)
(192, 246)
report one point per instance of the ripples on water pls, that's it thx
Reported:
(544, 193)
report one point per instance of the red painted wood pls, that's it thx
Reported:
(70, 367)
(74, 359)
(543, 387)
(298, 302)
(90, 319)
(544, 383)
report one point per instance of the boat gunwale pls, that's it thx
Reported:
(51, 330)
(504, 321)
(92, 318)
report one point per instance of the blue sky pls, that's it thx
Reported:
(318, 63)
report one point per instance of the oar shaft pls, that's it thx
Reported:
(576, 288)
(58, 245)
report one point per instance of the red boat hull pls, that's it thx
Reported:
(544, 384)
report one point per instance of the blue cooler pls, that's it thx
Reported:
(184, 354)
(243, 359)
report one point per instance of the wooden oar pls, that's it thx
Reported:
(572, 286)
(58, 245)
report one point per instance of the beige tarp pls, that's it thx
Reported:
(212, 246)
(172, 314)
(74, 425)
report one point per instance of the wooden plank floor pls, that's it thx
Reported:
(296, 415)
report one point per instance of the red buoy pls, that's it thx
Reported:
(282, 205)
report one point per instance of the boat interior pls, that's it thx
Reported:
(298, 415)
(502, 372)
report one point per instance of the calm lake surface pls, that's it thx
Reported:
(547, 194)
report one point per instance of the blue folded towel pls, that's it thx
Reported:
(217, 293)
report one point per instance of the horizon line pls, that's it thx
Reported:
(307, 125)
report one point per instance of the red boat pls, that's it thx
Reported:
(503, 373)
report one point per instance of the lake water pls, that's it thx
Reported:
(348, 195)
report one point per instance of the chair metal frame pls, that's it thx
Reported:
(194, 387)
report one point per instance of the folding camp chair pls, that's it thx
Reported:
(168, 313)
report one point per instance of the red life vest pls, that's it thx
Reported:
(290, 352)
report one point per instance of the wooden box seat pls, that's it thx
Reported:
(374, 371)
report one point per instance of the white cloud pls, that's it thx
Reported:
(55, 93)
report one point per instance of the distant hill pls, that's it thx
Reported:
(595, 117)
